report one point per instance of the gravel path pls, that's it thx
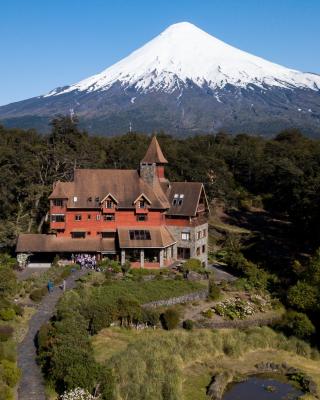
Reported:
(31, 386)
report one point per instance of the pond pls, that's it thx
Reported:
(262, 388)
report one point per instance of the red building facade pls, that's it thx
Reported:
(134, 215)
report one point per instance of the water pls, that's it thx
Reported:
(262, 388)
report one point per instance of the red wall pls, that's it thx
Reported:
(122, 218)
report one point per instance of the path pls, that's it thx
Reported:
(31, 386)
(219, 274)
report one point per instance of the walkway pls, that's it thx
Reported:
(31, 386)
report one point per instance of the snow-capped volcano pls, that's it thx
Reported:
(183, 81)
(185, 53)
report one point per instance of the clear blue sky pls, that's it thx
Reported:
(50, 43)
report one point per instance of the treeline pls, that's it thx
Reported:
(283, 173)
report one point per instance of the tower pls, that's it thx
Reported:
(152, 164)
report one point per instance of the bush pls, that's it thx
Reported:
(297, 324)
(150, 316)
(37, 294)
(214, 290)
(10, 373)
(302, 296)
(6, 333)
(193, 265)
(7, 314)
(18, 309)
(187, 324)
(170, 319)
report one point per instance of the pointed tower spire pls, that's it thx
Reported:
(152, 164)
(154, 153)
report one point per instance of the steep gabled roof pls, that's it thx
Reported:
(90, 186)
(154, 153)
(189, 193)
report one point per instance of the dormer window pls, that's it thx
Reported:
(141, 204)
(178, 199)
(58, 202)
(89, 199)
(109, 204)
(97, 199)
(142, 201)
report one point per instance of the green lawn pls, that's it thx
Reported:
(146, 291)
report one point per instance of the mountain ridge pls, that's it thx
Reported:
(184, 81)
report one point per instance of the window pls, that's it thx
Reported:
(107, 235)
(175, 199)
(109, 217)
(78, 217)
(185, 236)
(89, 216)
(204, 233)
(97, 199)
(198, 251)
(98, 217)
(58, 202)
(90, 199)
(178, 199)
(57, 218)
(141, 204)
(183, 253)
(78, 235)
(199, 235)
(109, 204)
(75, 199)
(139, 235)
(142, 217)
(204, 248)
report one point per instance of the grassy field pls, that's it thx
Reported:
(186, 361)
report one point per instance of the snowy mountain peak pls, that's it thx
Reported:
(183, 53)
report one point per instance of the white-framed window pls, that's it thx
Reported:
(78, 217)
(185, 235)
(109, 204)
(98, 217)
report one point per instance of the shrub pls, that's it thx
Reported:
(6, 333)
(10, 373)
(297, 324)
(170, 319)
(187, 324)
(214, 290)
(125, 268)
(18, 309)
(8, 282)
(207, 313)
(37, 294)
(150, 316)
(7, 314)
(77, 394)
(302, 296)
(193, 265)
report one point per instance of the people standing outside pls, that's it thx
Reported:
(50, 286)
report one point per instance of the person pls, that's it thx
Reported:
(50, 286)
(64, 285)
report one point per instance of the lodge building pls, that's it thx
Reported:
(135, 215)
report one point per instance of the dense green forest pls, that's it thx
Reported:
(283, 174)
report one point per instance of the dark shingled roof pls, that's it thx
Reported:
(191, 192)
(38, 243)
(160, 238)
(124, 185)
(154, 153)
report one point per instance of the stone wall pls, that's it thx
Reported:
(194, 242)
(200, 295)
